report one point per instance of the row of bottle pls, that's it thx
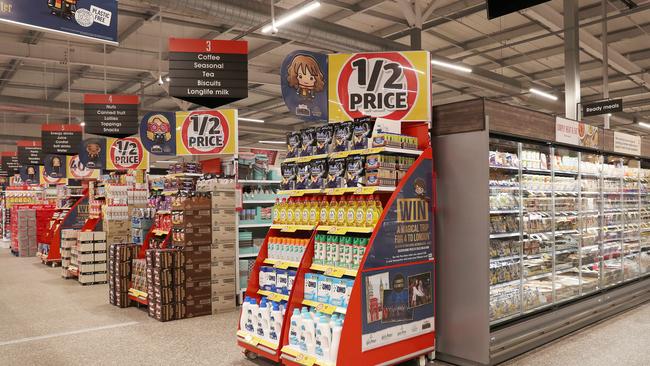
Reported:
(116, 212)
(264, 319)
(316, 334)
(356, 211)
(339, 251)
(286, 249)
(276, 280)
(328, 290)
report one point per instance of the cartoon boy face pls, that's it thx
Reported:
(93, 149)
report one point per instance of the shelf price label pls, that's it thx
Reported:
(303, 359)
(282, 265)
(326, 308)
(275, 297)
(334, 272)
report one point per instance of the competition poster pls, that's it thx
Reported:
(395, 86)
(206, 132)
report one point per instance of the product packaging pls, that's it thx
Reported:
(303, 172)
(288, 171)
(342, 136)
(323, 140)
(335, 173)
(311, 286)
(294, 144)
(354, 171)
(361, 132)
(318, 173)
(308, 141)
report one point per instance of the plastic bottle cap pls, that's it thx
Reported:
(324, 320)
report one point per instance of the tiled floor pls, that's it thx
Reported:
(46, 320)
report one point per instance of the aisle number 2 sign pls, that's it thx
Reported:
(390, 85)
(206, 132)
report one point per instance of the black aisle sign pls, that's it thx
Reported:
(29, 152)
(111, 115)
(10, 163)
(602, 107)
(60, 139)
(210, 73)
(498, 8)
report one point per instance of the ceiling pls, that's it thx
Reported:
(508, 55)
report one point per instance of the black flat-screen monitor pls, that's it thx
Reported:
(498, 8)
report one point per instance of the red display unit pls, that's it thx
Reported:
(389, 317)
(70, 220)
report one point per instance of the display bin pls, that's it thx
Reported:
(552, 227)
(381, 324)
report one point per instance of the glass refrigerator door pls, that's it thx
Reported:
(505, 230)
(631, 233)
(590, 221)
(566, 201)
(644, 185)
(537, 187)
(612, 230)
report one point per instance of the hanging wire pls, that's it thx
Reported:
(105, 68)
(69, 103)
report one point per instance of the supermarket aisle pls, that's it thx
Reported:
(45, 320)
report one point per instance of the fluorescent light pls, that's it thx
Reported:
(451, 66)
(644, 125)
(82, 124)
(250, 120)
(166, 161)
(272, 142)
(291, 16)
(167, 78)
(542, 94)
(412, 69)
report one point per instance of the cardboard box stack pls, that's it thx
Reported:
(68, 241)
(26, 230)
(119, 272)
(116, 214)
(192, 234)
(166, 284)
(138, 286)
(91, 257)
(224, 245)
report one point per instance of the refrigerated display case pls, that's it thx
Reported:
(562, 231)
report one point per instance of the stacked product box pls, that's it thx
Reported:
(224, 247)
(192, 234)
(117, 230)
(26, 232)
(120, 257)
(91, 257)
(166, 284)
(68, 242)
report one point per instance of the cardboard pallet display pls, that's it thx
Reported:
(91, 257)
(68, 241)
(223, 250)
(26, 232)
(119, 272)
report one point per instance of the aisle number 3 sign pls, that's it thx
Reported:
(390, 85)
(206, 132)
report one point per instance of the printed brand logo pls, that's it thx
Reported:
(205, 132)
(378, 85)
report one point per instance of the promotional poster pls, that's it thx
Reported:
(406, 234)
(55, 166)
(397, 304)
(303, 78)
(95, 19)
(30, 174)
(92, 153)
(390, 85)
(127, 153)
(158, 133)
(76, 169)
(45, 179)
(206, 132)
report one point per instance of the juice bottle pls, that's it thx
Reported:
(341, 211)
(331, 211)
(276, 211)
(351, 211)
(313, 211)
(283, 212)
(360, 216)
(323, 207)
(306, 206)
(290, 205)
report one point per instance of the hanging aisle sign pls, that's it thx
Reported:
(126, 153)
(602, 107)
(210, 73)
(30, 152)
(206, 132)
(303, 79)
(111, 115)
(60, 139)
(10, 162)
(394, 86)
(75, 169)
(90, 19)
(158, 133)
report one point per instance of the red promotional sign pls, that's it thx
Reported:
(205, 132)
(126, 153)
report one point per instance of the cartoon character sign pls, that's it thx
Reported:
(92, 153)
(55, 166)
(29, 174)
(304, 84)
(158, 132)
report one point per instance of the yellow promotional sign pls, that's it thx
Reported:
(206, 132)
(126, 153)
(75, 169)
(390, 85)
(45, 179)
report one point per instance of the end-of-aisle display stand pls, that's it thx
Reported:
(73, 217)
(389, 316)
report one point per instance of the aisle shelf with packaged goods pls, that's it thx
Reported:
(254, 225)
(344, 154)
(338, 191)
